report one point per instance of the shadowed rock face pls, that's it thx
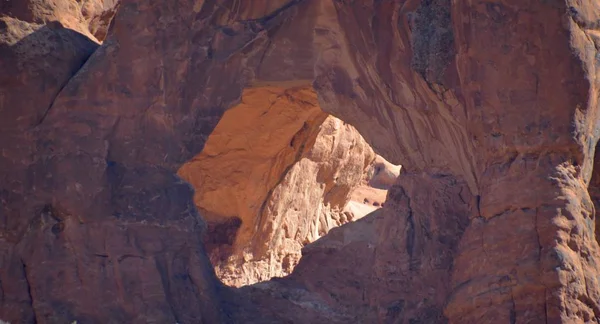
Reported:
(490, 107)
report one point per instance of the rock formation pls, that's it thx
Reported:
(490, 107)
(90, 18)
(275, 174)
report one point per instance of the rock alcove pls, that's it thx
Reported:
(276, 174)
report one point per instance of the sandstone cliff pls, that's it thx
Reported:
(491, 108)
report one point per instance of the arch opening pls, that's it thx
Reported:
(276, 174)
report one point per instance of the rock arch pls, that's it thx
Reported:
(490, 108)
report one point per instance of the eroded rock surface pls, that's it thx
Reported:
(90, 18)
(38, 57)
(308, 201)
(246, 157)
(274, 175)
(490, 107)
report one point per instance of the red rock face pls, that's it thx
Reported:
(490, 107)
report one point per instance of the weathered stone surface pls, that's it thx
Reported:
(394, 264)
(310, 199)
(274, 175)
(76, 242)
(490, 107)
(371, 194)
(37, 60)
(247, 155)
(90, 18)
(519, 130)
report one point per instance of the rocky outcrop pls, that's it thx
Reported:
(37, 60)
(90, 18)
(490, 108)
(74, 237)
(470, 126)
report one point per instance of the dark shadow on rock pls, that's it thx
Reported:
(37, 67)
(34, 70)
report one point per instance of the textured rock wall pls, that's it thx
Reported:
(392, 264)
(38, 56)
(76, 239)
(90, 18)
(245, 158)
(500, 117)
(274, 175)
(490, 107)
(306, 204)
(312, 197)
